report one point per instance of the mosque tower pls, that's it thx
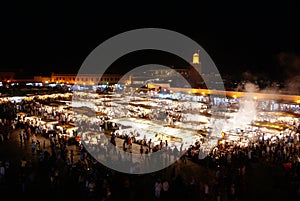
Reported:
(196, 59)
(196, 70)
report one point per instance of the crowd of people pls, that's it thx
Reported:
(64, 171)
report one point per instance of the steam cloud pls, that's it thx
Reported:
(290, 63)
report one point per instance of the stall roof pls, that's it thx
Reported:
(67, 126)
(157, 127)
(32, 117)
(21, 113)
(51, 122)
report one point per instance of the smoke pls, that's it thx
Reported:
(292, 85)
(251, 88)
(290, 64)
(248, 76)
(247, 109)
(287, 70)
(247, 113)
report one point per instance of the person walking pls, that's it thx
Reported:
(141, 151)
(164, 195)
(33, 147)
(157, 189)
(2, 172)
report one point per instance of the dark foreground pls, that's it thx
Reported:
(187, 181)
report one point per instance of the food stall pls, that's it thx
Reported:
(67, 129)
(157, 131)
(21, 115)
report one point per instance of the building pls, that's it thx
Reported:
(84, 79)
(57, 78)
(42, 79)
(185, 77)
(157, 75)
(7, 76)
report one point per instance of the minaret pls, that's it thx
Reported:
(196, 58)
(196, 61)
(195, 70)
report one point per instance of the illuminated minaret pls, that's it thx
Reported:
(195, 70)
(196, 62)
(196, 59)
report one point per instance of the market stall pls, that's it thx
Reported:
(67, 129)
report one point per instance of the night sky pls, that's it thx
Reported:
(57, 36)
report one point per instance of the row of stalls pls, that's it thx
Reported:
(142, 130)
(48, 127)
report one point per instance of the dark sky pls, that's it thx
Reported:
(57, 35)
